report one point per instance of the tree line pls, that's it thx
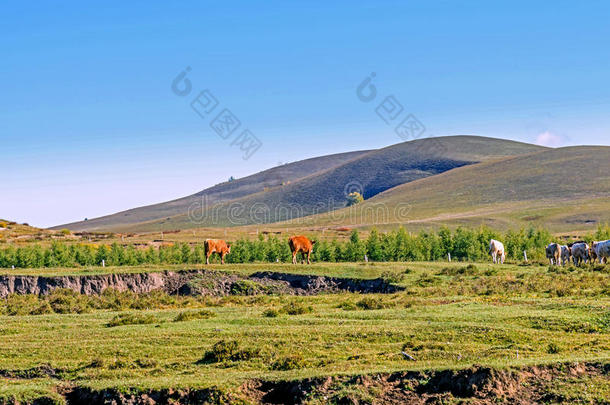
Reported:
(463, 244)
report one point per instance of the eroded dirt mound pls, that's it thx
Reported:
(192, 282)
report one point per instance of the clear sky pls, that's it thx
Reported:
(89, 124)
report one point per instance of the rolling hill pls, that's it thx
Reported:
(226, 191)
(563, 189)
(267, 198)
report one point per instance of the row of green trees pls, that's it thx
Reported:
(399, 245)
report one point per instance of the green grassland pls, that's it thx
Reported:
(450, 315)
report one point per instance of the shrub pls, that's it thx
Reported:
(191, 315)
(131, 319)
(270, 313)
(348, 306)
(292, 362)
(296, 308)
(371, 303)
(65, 232)
(66, 301)
(552, 348)
(228, 350)
(390, 277)
(354, 198)
(469, 270)
(247, 287)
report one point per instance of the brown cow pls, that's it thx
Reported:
(216, 246)
(300, 244)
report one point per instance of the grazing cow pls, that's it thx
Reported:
(580, 253)
(216, 246)
(600, 251)
(553, 253)
(300, 244)
(496, 249)
(566, 253)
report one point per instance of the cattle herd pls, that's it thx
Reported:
(579, 252)
(297, 244)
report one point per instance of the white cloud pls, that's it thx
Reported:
(547, 138)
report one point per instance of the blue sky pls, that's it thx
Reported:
(89, 124)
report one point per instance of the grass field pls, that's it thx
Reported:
(449, 316)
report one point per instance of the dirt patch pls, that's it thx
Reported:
(44, 370)
(193, 282)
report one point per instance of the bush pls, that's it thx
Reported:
(371, 303)
(247, 287)
(293, 362)
(354, 198)
(131, 319)
(552, 348)
(390, 277)
(228, 350)
(348, 306)
(469, 270)
(191, 315)
(270, 313)
(66, 301)
(296, 308)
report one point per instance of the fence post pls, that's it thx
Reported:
(103, 263)
(449, 256)
(525, 255)
(366, 259)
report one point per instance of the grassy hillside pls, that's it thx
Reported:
(565, 189)
(370, 174)
(255, 183)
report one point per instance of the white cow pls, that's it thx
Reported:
(553, 253)
(601, 251)
(496, 249)
(580, 253)
(566, 253)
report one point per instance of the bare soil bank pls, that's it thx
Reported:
(476, 385)
(194, 282)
